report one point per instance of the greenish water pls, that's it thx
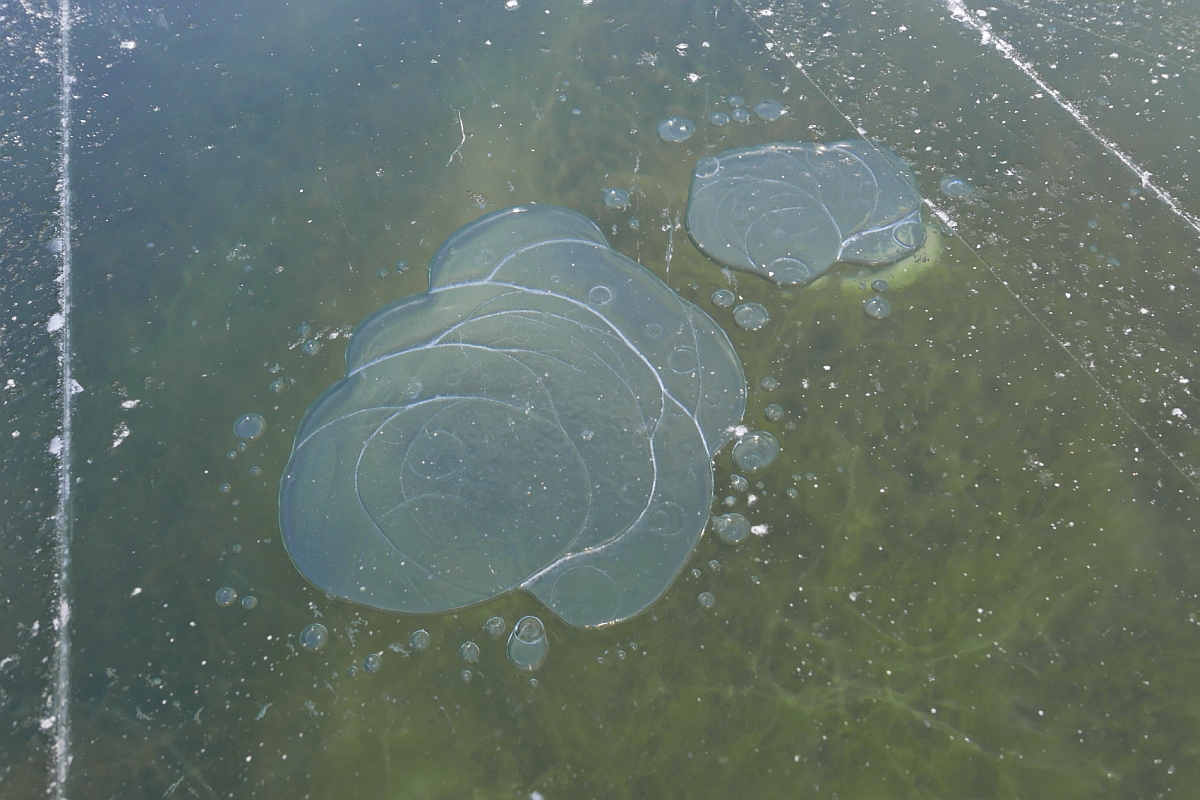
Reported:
(980, 572)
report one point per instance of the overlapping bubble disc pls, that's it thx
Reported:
(789, 211)
(542, 418)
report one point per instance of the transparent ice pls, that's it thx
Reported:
(543, 418)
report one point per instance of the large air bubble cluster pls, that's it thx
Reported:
(543, 418)
(789, 211)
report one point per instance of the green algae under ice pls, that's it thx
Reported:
(542, 418)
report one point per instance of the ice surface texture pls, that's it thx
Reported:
(789, 211)
(542, 418)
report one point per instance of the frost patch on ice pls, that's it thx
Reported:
(56, 322)
(120, 434)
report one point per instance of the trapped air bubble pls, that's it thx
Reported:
(453, 449)
(527, 645)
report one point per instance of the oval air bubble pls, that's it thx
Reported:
(751, 316)
(249, 602)
(955, 187)
(719, 118)
(741, 115)
(756, 450)
(682, 360)
(469, 652)
(877, 307)
(769, 384)
(676, 129)
(773, 412)
(600, 295)
(616, 198)
(735, 101)
(723, 298)
(787, 271)
(249, 426)
(739, 483)
(731, 528)
(466, 675)
(502, 429)
(527, 645)
(707, 167)
(706, 599)
(494, 627)
(419, 641)
(788, 211)
(314, 637)
(879, 285)
(770, 110)
(226, 596)
(372, 663)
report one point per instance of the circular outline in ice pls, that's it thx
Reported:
(502, 259)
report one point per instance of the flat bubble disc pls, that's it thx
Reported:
(543, 418)
(419, 641)
(731, 528)
(735, 101)
(751, 316)
(314, 637)
(676, 129)
(877, 307)
(770, 110)
(249, 426)
(740, 115)
(527, 645)
(615, 198)
(955, 187)
(788, 211)
(494, 627)
(469, 652)
(719, 118)
(372, 663)
(723, 298)
(706, 599)
(756, 450)
(707, 167)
